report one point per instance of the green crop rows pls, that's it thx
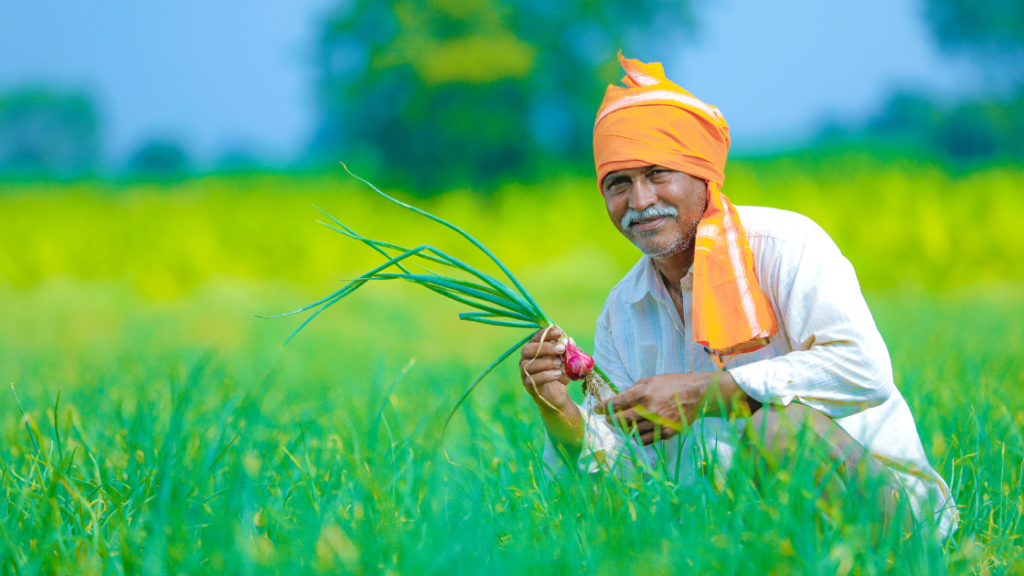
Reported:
(159, 428)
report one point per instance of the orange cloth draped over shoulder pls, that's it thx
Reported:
(654, 121)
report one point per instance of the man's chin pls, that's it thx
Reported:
(664, 249)
(661, 251)
(657, 236)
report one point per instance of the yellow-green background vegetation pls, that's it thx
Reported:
(186, 439)
(901, 223)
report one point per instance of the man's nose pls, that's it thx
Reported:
(642, 195)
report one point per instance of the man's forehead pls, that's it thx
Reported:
(629, 171)
(632, 171)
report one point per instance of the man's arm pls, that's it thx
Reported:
(544, 379)
(660, 407)
(839, 364)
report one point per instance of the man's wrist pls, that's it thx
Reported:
(723, 396)
(563, 406)
(563, 422)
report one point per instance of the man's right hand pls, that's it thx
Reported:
(542, 372)
(544, 379)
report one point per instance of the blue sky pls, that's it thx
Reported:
(227, 75)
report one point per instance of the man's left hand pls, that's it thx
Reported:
(659, 407)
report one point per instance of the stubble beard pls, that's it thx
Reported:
(682, 242)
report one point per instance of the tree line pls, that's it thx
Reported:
(431, 93)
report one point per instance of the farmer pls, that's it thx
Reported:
(740, 329)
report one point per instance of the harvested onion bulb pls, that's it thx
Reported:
(577, 362)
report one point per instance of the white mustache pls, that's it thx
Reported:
(632, 216)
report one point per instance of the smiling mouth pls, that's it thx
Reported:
(647, 223)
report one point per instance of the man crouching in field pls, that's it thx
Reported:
(762, 293)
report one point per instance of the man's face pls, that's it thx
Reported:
(656, 208)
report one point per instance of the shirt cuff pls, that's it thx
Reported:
(763, 381)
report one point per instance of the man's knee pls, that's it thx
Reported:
(797, 436)
(778, 431)
(774, 427)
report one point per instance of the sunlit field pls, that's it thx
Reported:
(153, 425)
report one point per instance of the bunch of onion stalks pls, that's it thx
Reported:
(493, 302)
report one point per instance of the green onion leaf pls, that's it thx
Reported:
(472, 385)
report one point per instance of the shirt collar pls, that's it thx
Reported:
(648, 281)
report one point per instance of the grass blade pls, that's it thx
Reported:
(28, 421)
(375, 244)
(442, 258)
(465, 288)
(464, 234)
(379, 247)
(354, 283)
(473, 384)
(479, 306)
(505, 323)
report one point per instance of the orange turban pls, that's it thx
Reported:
(654, 121)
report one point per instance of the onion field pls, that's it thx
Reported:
(149, 424)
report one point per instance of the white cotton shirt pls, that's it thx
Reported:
(827, 354)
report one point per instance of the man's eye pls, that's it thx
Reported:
(617, 186)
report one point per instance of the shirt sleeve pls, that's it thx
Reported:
(602, 446)
(839, 364)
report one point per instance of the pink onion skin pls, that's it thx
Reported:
(577, 362)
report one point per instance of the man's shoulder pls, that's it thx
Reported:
(777, 224)
(764, 227)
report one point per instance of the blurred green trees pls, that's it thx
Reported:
(991, 34)
(47, 132)
(159, 158)
(432, 92)
(991, 28)
(981, 130)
